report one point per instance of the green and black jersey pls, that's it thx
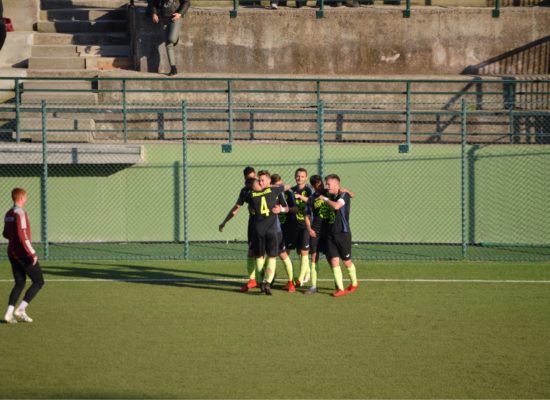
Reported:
(300, 215)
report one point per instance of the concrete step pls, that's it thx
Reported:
(106, 38)
(56, 85)
(108, 63)
(57, 4)
(82, 26)
(69, 98)
(104, 51)
(83, 14)
(57, 62)
(59, 51)
(62, 73)
(58, 129)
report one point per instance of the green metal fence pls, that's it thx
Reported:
(438, 174)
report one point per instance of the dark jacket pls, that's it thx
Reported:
(165, 8)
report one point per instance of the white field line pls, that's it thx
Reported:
(373, 280)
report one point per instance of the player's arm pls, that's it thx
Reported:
(24, 236)
(312, 233)
(292, 208)
(230, 215)
(349, 192)
(335, 205)
(282, 205)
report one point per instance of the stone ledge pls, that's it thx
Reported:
(72, 154)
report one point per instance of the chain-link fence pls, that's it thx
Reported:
(440, 175)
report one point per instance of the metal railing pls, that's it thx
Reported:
(237, 101)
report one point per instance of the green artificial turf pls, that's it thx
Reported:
(173, 329)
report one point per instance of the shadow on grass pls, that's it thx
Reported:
(149, 275)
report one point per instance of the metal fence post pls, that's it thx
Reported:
(230, 109)
(463, 183)
(17, 111)
(44, 184)
(124, 116)
(321, 134)
(321, 11)
(185, 181)
(408, 114)
(496, 11)
(407, 11)
(233, 12)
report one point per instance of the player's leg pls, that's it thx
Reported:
(35, 273)
(19, 278)
(283, 255)
(333, 258)
(250, 259)
(271, 249)
(302, 246)
(343, 242)
(313, 250)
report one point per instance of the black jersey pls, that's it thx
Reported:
(300, 215)
(261, 203)
(337, 221)
(317, 210)
(243, 195)
(290, 202)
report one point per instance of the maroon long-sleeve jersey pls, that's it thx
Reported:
(18, 232)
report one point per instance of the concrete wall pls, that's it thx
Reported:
(373, 40)
(23, 13)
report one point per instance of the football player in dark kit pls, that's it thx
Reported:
(316, 211)
(336, 234)
(249, 176)
(267, 202)
(22, 256)
(301, 239)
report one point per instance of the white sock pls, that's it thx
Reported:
(23, 306)
(9, 312)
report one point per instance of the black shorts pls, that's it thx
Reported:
(338, 245)
(265, 243)
(289, 235)
(302, 238)
(314, 244)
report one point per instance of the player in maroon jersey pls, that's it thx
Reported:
(22, 256)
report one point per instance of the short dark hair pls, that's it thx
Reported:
(248, 182)
(275, 178)
(332, 176)
(264, 172)
(301, 169)
(248, 170)
(315, 180)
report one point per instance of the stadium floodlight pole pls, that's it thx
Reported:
(496, 11)
(463, 160)
(44, 183)
(185, 181)
(321, 134)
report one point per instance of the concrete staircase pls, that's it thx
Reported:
(74, 38)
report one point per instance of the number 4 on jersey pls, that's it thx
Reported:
(264, 209)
